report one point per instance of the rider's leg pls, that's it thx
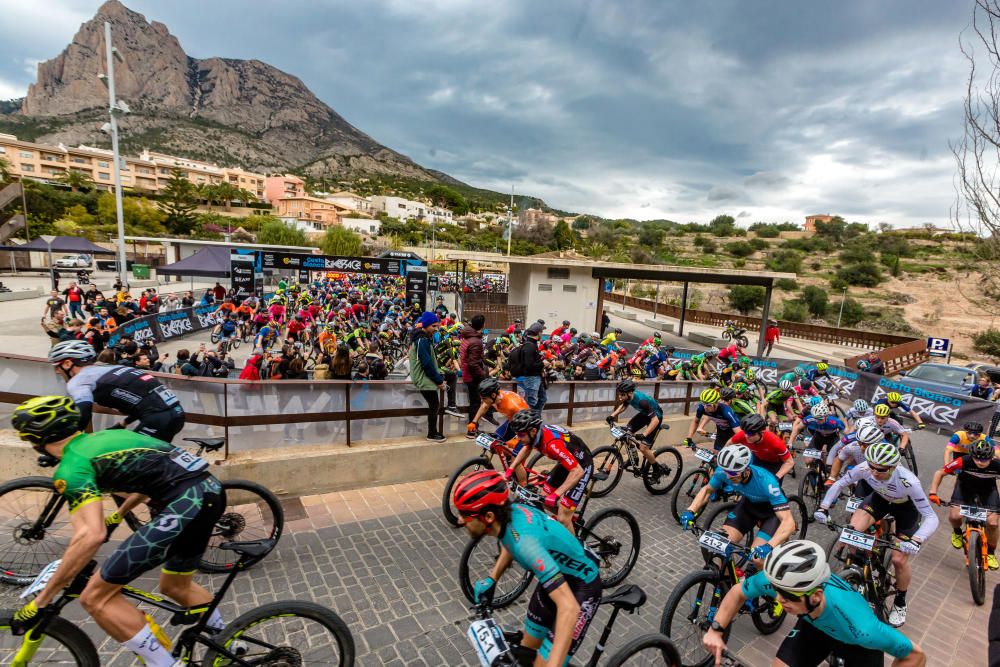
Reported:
(122, 621)
(901, 564)
(992, 530)
(565, 516)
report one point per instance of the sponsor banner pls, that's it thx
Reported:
(241, 273)
(298, 261)
(140, 329)
(940, 408)
(169, 324)
(174, 323)
(416, 286)
(206, 317)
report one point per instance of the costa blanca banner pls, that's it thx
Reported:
(174, 323)
(168, 324)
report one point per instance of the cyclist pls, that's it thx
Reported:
(187, 502)
(859, 410)
(569, 583)
(682, 370)
(851, 450)
(958, 443)
(776, 403)
(227, 330)
(645, 424)
(824, 428)
(567, 482)
(755, 386)
(736, 398)
(611, 340)
(833, 618)
(658, 362)
(266, 335)
(762, 504)
(507, 403)
(976, 484)
(895, 402)
(895, 490)
(132, 391)
(769, 451)
(710, 408)
(820, 376)
(704, 363)
(892, 429)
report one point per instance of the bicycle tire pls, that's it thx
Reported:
(796, 504)
(606, 459)
(686, 631)
(235, 343)
(726, 335)
(911, 458)
(247, 627)
(541, 464)
(23, 574)
(512, 583)
(744, 342)
(671, 657)
(215, 337)
(72, 638)
(676, 467)
(233, 525)
(688, 486)
(607, 548)
(467, 468)
(811, 489)
(977, 568)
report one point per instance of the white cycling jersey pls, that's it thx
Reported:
(850, 451)
(901, 487)
(853, 415)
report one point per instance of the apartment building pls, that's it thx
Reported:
(280, 187)
(206, 173)
(319, 212)
(407, 209)
(353, 202)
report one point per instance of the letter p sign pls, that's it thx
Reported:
(938, 347)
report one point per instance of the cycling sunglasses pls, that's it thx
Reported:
(734, 475)
(882, 469)
(793, 596)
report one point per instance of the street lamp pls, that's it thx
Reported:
(115, 108)
(842, 300)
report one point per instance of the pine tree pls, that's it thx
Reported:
(178, 201)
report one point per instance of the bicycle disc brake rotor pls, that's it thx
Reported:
(283, 656)
(28, 533)
(231, 524)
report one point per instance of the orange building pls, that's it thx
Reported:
(282, 187)
(320, 212)
(811, 221)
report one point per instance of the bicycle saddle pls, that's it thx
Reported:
(628, 598)
(253, 549)
(210, 444)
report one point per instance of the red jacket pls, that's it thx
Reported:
(470, 355)
(772, 335)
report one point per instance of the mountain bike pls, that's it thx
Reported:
(692, 482)
(811, 486)
(497, 647)
(867, 558)
(624, 454)
(975, 546)
(691, 606)
(713, 519)
(290, 632)
(35, 528)
(735, 334)
(611, 535)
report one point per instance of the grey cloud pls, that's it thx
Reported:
(766, 180)
(725, 193)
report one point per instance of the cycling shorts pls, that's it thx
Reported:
(808, 646)
(823, 441)
(176, 537)
(906, 514)
(747, 515)
(163, 425)
(971, 493)
(574, 495)
(641, 421)
(722, 436)
(541, 616)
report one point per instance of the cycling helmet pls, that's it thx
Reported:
(741, 387)
(750, 375)
(820, 411)
(870, 434)
(814, 400)
(753, 423)
(711, 352)
(744, 361)
(79, 351)
(805, 384)
(657, 334)
(46, 419)
(618, 332)
(893, 397)
(489, 386)
(822, 366)
(882, 410)
(799, 372)
(973, 428)
(565, 323)
(524, 420)
(709, 396)
(861, 406)
(626, 387)
(798, 566)
(479, 490)
(785, 385)
(863, 365)
(982, 450)
(882, 454)
(727, 394)
(734, 458)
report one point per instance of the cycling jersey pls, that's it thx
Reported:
(853, 415)
(645, 404)
(974, 485)
(901, 487)
(846, 451)
(776, 398)
(742, 407)
(771, 448)
(509, 403)
(828, 426)
(903, 406)
(723, 417)
(847, 616)
(558, 445)
(959, 442)
(762, 487)
(131, 391)
(698, 360)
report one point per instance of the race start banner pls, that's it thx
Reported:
(168, 324)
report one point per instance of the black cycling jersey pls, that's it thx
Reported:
(132, 391)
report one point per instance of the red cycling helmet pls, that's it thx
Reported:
(479, 490)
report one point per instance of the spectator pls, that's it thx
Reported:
(187, 301)
(74, 300)
(771, 336)
(341, 367)
(471, 357)
(207, 299)
(186, 364)
(219, 292)
(362, 373)
(321, 371)
(252, 369)
(107, 356)
(424, 371)
(527, 368)
(296, 368)
(875, 363)
(605, 322)
(55, 328)
(54, 305)
(983, 388)
(440, 309)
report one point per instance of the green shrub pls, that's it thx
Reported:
(759, 244)
(853, 312)
(739, 249)
(987, 342)
(705, 243)
(787, 284)
(794, 311)
(786, 261)
(739, 263)
(815, 299)
(765, 231)
(746, 298)
(865, 275)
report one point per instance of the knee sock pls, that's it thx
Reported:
(900, 599)
(215, 621)
(148, 647)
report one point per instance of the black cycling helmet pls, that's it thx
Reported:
(626, 386)
(489, 386)
(805, 384)
(973, 428)
(618, 331)
(525, 420)
(982, 450)
(727, 394)
(46, 419)
(753, 424)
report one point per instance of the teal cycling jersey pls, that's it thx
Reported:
(762, 487)
(847, 617)
(544, 547)
(645, 404)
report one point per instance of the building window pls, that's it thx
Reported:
(104, 176)
(101, 163)
(558, 273)
(27, 154)
(544, 287)
(79, 160)
(27, 167)
(569, 288)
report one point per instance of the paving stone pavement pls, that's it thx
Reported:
(387, 562)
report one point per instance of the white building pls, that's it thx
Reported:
(407, 209)
(353, 202)
(363, 225)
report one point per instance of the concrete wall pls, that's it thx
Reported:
(558, 299)
(519, 288)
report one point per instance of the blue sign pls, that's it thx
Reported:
(938, 347)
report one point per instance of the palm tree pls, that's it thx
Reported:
(209, 192)
(6, 171)
(76, 180)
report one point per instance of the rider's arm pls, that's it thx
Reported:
(936, 480)
(786, 467)
(574, 475)
(698, 417)
(503, 562)
(618, 409)
(567, 613)
(132, 501)
(88, 536)
(705, 492)
(833, 493)
(724, 615)
(483, 407)
(785, 528)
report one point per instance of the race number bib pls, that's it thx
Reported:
(784, 428)
(704, 455)
(168, 397)
(485, 441)
(973, 513)
(488, 640)
(853, 504)
(812, 454)
(853, 538)
(187, 460)
(715, 542)
(617, 432)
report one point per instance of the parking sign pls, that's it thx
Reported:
(938, 347)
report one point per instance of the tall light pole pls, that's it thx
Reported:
(842, 300)
(115, 108)
(510, 220)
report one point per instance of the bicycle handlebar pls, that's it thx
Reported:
(890, 544)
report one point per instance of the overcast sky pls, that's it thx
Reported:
(638, 108)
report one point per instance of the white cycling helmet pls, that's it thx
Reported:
(820, 411)
(870, 434)
(712, 352)
(861, 406)
(734, 458)
(798, 566)
(882, 454)
(77, 350)
(785, 385)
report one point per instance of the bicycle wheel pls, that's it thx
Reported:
(474, 464)
(686, 490)
(726, 335)
(287, 633)
(689, 612)
(235, 342)
(477, 561)
(811, 490)
(649, 650)
(215, 336)
(976, 567)
(541, 464)
(62, 644)
(743, 341)
(613, 536)
(910, 458)
(252, 513)
(607, 460)
(671, 465)
(801, 515)
(713, 520)
(34, 528)
(767, 615)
